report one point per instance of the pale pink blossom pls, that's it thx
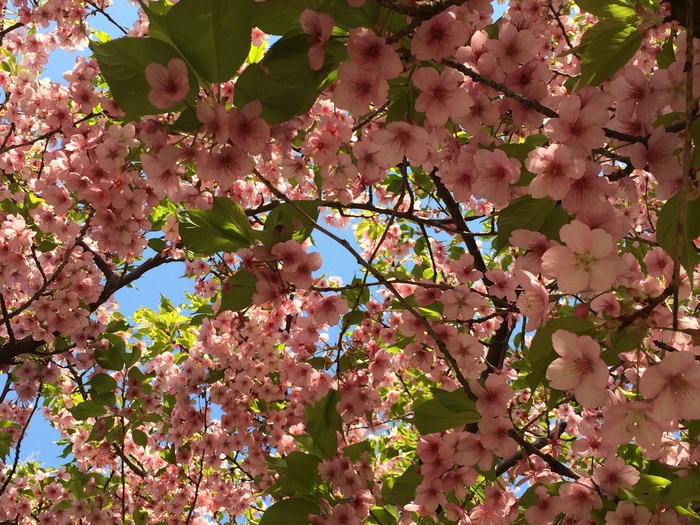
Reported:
(513, 47)
(533, 301)
(503, 286)
(460, 303)
(441, 95)
(580, 368)
(587, 262)
(168, 84)
(495, 172)
(372, 53)
(318, 26)
(633, 419)
(613, 474)
(555, 168)
(438, 37)
(358, 88)
(578, 127)
(329, 309)
(399, 140)
(493, 397)
(657, 156)
(627, 513)
(674, 386)
(247, 129)
(545, 510)
(579, 498)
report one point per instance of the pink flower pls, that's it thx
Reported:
(226, 167)
(399, 140)
(503, 285)
(633, 419)
(215, 120)
(536, 245)
(495, 172)
(319, 27)
(533, 301)
(578, 499)
(614, 473)
(587, 262)
(579, 368)
(546, 510)
(372, 53)
(554, 168)
(513, 47)
(674, 385)
(168, 84)
(441, 97)
(329, 309)
(657, 156)
(493, 396)
(359, 88)
(578, 127)
(247, 129)
(627, 513)
(460, 303)
(438, 37)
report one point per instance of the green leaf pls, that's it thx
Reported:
(277, 18)
(6, 442)
(109, 358)
(87, 409)
(299, 476)
(542, 353)
(140, 516)
(667, 56)
(617, 9)
(323, 421)
(355, 451)
(523, 213)
(648, 491)
(123, 64)
(606, 48)
(667, 228)
(402, 490)
(682, 491)
(212, 35)
(384, 515)
(130, 358)
(444, 411)
(103, 383)
(224, 227)
(292, 511)
(239, 293)
(283, 81)
(289, 221)
(157, 25)
(139, 437)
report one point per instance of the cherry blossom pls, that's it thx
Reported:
(587, 262)
(318, 26)
(579, 368)
(168, 84)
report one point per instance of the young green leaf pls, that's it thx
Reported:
(292, 511)
(444, 411)
(212, 35)
(323, 421)
(225, 227)
(283, 80)
(239, 292)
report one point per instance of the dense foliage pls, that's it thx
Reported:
(518, 345)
